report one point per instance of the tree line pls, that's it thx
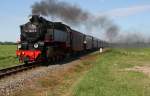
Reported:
(7, 43)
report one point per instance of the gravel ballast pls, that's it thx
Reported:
(17, 82)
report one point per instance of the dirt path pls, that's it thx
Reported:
(143, 69)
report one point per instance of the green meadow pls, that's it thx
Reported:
(8, 56)
(114, 74)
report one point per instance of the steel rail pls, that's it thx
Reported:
(16, 69)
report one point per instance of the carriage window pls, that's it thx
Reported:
(50, 32)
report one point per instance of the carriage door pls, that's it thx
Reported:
(69, 39)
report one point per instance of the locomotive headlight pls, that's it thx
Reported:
(36, 45)
(19, 46)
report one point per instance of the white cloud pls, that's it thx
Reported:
(123, 12)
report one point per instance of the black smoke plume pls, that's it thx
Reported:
(75, 15)
(110, 28)
(104, 25)
(60, 9)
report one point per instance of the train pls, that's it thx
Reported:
(43, 40)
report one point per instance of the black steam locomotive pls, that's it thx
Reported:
(45, 40)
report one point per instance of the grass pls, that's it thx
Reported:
(8, 56)
(106, 79)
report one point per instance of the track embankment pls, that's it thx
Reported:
(54, 80)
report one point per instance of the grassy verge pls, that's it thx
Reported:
(108, 77)
(8, 56)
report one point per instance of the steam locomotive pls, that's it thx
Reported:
(42, 40)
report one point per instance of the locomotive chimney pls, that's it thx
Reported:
(35, 18)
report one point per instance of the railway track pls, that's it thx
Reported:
(15, 69)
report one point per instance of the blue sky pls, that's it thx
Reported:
(128, 14)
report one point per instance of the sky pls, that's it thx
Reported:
(127, 14)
